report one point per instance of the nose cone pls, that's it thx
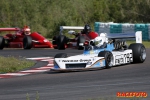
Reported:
(50, 44)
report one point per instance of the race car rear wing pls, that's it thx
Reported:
(9, 29)
(137, 35)
(70, 28)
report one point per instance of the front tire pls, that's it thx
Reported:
(27, 42)
(61, 55)
(81, 39)
(61, 40)
(2, 42)
(108, 58)
(139, 52)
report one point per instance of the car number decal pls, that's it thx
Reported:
(123, 58)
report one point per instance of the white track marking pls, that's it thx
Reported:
(50, 64)
(38, 58)
(16, 74)
(48, 60)
(33, 71)
(44, 67)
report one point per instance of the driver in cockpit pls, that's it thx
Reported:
(98, 42)
(26, 30)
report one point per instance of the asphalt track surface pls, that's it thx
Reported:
(82, 85)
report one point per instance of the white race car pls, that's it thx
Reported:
(113, 51)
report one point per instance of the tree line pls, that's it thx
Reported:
(45, 16)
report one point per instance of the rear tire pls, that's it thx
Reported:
(27, 42)
(108, 58)
(61, 40)
(2, 42)
(139, 52)
(61, 55)
(81, 39)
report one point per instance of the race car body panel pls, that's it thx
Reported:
(40, 41)
(92, 35)
(85, 61)
(110, 47)
(92, 60)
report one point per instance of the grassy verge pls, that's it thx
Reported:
(13, 64)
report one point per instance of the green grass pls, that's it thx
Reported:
(37, 97)
(13, 64)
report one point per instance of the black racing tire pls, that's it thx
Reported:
(61, 41)
(139, 52)
(61, 55)
(27, 42)
(108, 58)
(2, 42)
(80, 39)
(54, 41)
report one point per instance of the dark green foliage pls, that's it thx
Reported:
(45, 16)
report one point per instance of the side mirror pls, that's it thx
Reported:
(71, 32)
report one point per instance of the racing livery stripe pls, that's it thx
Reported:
(101, 60)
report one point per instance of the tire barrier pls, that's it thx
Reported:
(110, 27)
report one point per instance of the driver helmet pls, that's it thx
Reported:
(98, 41)
(26, 30)
(87, 29)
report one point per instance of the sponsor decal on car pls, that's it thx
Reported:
(123, 58)
(80, 60)
(69, 60)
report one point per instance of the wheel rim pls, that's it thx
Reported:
(110, 60)
(143, 53)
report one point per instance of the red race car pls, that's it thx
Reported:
(23, 38)
(80, 39)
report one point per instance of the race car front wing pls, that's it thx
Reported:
(76, 63)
